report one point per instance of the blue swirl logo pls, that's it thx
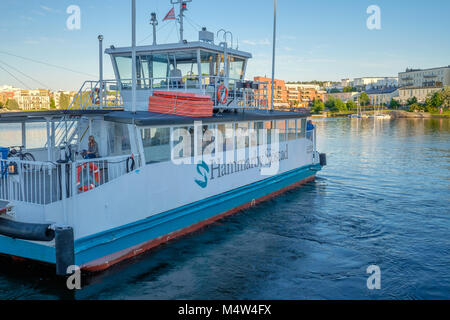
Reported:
(203, 170)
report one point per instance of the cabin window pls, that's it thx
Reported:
(301, 128)
(242, 138)
(281, 127)
(208, 141)
(259, 131)
(118, 139)
(292, 134)
(269, 126)
(156, 142)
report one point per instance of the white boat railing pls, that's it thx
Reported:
(43, 183)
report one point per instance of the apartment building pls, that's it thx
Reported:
(434, 77)
(280, 99)
(382, 96)
(369, 83)
(421, 93)
(33, 99)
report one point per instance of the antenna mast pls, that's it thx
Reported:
(154, 23)
(183, 7)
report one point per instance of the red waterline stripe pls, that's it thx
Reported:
(104, 263)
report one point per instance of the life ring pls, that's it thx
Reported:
(95, 96)
(92, 168)
(222, 94)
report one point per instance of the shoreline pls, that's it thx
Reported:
(395, 114)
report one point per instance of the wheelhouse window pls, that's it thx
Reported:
(291, 130)
(236, 68)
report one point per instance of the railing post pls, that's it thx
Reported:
(64, 191)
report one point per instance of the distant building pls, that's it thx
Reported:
(421, 93)
(280, 99)
(344, 96)
(434, 77)
(368, 83)
(303, 95)
(33, 99)
(382, 96)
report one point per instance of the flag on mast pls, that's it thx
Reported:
(170, 15)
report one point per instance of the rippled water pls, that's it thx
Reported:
(382, 200)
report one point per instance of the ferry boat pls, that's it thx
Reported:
(183, 140)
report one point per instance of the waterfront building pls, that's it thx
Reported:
(368, 83)
(433, 77)
(280, 99)
(33, 99)
(421, 93)
(382, 96)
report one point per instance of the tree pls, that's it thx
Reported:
(1, 104)
(351, 105)
(330, 103)
(334, 90)
(63, 101)
(52, 103)
(318, 106)
(12, 104)
(340, 105)
(445, 97)
(363, 99)
(394, 104)
(411, 101)
(350, 89)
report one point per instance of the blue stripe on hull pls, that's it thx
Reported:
(105, 243)
(27, 249)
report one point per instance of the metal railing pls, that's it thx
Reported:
(43, 183)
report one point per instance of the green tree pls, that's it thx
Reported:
(364, 99)
(52, 103)
(334, 90)
(444, 96)
(340, 105)
(12, 104)
(350, 89)
(411, 101)
(318, 106)
(351, 105)
(394, 104)
(63, 101)
(330, 103)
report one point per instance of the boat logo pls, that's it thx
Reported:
(203, 170)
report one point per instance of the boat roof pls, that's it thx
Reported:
(144, 118)
(178, 47)
(40, 116)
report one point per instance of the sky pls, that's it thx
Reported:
(316, 40)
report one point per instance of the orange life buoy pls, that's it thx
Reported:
(222, 94)
(91, 184)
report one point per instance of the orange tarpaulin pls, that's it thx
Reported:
(181, 103)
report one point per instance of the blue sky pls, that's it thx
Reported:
(323, 40)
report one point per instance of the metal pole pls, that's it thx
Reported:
(154, 23)
(273, 52)
(100, 64)
(133, 55)
(181, 21)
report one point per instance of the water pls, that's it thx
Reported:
(382, 200)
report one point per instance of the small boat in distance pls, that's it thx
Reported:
(179, 139)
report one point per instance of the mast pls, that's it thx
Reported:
(154, 23)
(133, 55)
(183, 7)
(273, 51)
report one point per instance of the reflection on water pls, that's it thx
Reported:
(382, 200)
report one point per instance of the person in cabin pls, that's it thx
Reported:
(309, 129)
(175, 76)
(92, 151)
